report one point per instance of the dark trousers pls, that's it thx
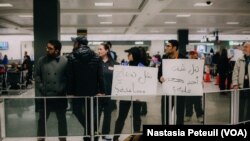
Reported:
(244, 105)
(81, 108)
(105, 107)
(124, 107)
(195, 101)
(222, 81)
(179, 111)
(61, 117)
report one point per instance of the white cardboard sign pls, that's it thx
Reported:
(183, 77)
(134, 81)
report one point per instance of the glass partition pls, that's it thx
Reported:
(20, 113)
(217, 107)
(243, 105)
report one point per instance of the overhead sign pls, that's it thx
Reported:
(183, 77)
(133, 83)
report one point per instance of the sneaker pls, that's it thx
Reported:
(108, 137)
(187, 119)
(200, 119)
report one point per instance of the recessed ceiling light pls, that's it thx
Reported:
(170, 22)
(105, 22)
(25, 16)
(202, 4)
(139, 43)
(6, 5)
(104, 15)
(104, 3)
(233, 23)
(183, 15)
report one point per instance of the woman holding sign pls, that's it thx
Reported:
(106, 104)
(136, 58)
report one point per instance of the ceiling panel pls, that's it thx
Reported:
(11, 31)
(217, 4)
(90, 4)
(18, 4)
(95, 20)
(19, 20)
(103, 30)
(207, 20)
(134, 16)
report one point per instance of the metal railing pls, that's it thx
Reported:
(18, 114)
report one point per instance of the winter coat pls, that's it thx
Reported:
(51, 80)
(239, 72)
(86, 72)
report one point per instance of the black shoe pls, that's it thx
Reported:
(116, 138)
(96, 139)
(62, 139)
(86, 139)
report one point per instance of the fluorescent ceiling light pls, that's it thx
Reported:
(105, 15)
(232, 22)
(139, 42)
(169, 22)
(105, 22)
(183, 15)
(6, 5)
(202, 4)
(25, 16)
(104, 3)
(96, 43)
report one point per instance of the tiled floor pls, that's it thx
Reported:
(19, 118)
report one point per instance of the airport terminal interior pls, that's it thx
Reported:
(205, 28)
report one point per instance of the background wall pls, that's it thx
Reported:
(19, 43)
(15, 43)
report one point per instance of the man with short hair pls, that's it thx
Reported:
(241, 75)
(171, 53)
(86, 79)
(51, 78)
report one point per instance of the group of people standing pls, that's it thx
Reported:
(83, 74)
(86, 74)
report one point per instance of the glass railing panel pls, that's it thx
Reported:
(24, 113)
(19, 117)
(194, 110)
(243, 105)
(114, 115)
(217, 107)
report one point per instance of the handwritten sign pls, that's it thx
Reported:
(134, 81)
(183, 77)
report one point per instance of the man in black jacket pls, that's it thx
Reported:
(171, 53)
(86, 79)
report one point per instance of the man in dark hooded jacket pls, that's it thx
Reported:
(86, 79)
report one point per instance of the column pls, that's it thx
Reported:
(46, 24)
(183, 40)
